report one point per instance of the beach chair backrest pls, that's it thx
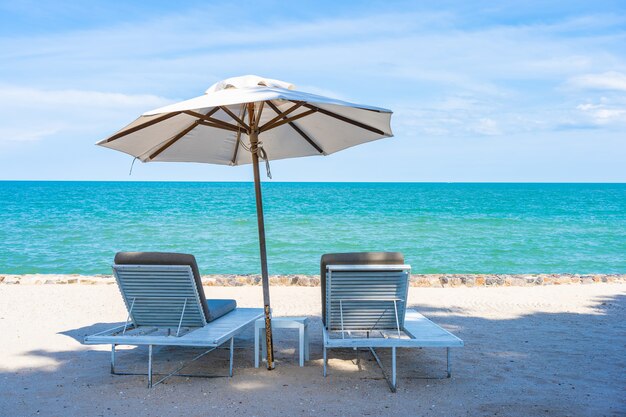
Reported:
(366, 297)
(160, 295)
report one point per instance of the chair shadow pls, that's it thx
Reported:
(80, 333)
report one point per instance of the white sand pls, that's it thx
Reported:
(529, 351)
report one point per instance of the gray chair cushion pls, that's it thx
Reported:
(354, 258)
(168, 258)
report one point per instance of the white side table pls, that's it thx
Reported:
(300, 323)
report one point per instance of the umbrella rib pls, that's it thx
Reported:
(281, 114)
(207, 117)
(235, 118)
(141, 126)
(218, 126)
(298, 130)
(257, 119)
(174, 140)
(345, 119)
(288, 120)
(236, 151)
(306, 137)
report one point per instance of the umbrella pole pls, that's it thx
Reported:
(264, 273)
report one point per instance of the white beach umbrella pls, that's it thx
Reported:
(241, 119)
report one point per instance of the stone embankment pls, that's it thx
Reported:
(417, 280)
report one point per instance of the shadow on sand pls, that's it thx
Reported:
(534, 364)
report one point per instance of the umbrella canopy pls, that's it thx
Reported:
(241, 119)
(209, 128)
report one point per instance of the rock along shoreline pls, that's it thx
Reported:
(417, 280)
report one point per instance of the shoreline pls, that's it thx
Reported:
(301, 280)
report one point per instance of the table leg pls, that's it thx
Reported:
(264, 347)
(301, 345)
(256, 346)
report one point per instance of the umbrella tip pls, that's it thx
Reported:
(248, 81)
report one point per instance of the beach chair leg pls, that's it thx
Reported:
(301, 346)
(448, 368)
(325, 357)
(307, 346)
(113, 359)
(232, 350)
(394, 384)
(391, 382)
(149, 366)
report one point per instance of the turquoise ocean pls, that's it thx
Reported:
(77, 227)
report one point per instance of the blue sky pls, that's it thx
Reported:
(481, 91)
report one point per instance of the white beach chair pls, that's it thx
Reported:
(166, 307)
(364, 306)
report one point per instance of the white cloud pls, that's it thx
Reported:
(610, 80)
(603, 114)
(587, 106)
(487, 127)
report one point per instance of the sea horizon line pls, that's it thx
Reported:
(315, 182)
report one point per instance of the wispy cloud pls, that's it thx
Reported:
(25, 96)
(610, 80)
(511, 74)
(26, 134)
(455, 73)
(34, 114)
(604, 113)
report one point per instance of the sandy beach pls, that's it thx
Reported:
(529, 351)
